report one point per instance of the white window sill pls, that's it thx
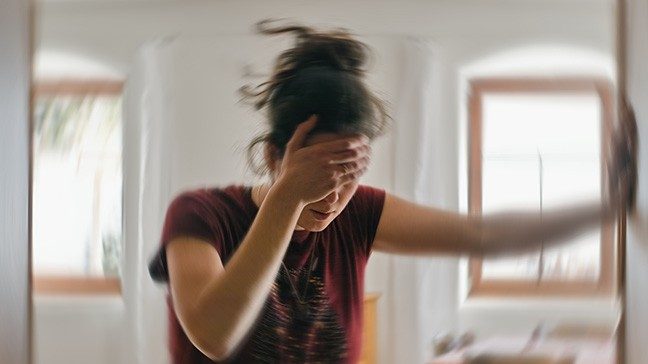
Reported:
(541, 304)
(488, 317)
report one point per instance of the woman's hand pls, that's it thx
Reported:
(622, 162)
(310, 173)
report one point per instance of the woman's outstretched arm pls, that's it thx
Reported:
(409, 228)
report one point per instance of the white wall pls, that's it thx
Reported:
(111, 31)
(464, 31)
(82, 330)
(15, 298)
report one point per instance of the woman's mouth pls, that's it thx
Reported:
(321, 215)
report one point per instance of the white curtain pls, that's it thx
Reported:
(176, 138)
(146, 194)
(422, 294)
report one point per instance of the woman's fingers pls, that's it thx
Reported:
(351, 177)
(351, 164)
(342, 145)
(345, 150)
(350, 155)
(354, 166)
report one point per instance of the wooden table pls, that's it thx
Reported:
(369, 352)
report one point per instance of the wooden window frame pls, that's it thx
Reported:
(76, 285)
(478, 87)
(78, 87)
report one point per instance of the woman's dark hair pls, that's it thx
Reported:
(322, 74)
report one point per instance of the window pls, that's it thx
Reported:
(77, 187)
(536, 144)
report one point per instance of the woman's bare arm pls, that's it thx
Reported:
(409, 228)
(217, 306)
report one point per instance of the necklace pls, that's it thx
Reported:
(301, 301)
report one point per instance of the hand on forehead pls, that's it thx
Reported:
(324, 137)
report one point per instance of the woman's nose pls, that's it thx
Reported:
(332, 197)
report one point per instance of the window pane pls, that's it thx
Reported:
(510, 183)
(524, 267)
(542, 148)
(77, 191)
(551, 123)
(569, 179)
(580, 260)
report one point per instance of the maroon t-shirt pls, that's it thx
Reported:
(330, 330)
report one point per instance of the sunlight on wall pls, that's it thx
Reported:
(61, 65)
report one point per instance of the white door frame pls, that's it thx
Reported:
(15, 245)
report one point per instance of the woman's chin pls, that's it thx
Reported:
(315, 225)
(321, 226)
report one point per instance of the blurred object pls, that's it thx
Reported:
(446, 342)
(579, 330)
(519, 359)
(621, 160)
(624, 156)
(537, 334)
(465, 340)
(442, 344)
(516, 350)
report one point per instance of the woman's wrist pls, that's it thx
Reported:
(286, 196)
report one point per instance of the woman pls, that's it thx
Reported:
(275, 272)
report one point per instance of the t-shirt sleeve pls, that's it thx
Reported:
(370, 202)
(188, 215)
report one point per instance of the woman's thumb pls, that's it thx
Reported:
(301, 132)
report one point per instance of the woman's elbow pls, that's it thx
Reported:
(216, 350)
(217, 345)
(218, 354)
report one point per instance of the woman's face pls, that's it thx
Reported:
(318, 215)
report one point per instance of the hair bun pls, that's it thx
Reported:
(336, 49)
(323, 74)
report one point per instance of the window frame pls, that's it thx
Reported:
(478, 287)
(46, 284)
